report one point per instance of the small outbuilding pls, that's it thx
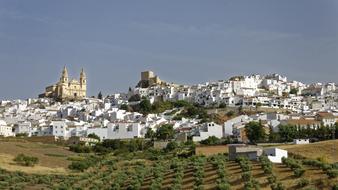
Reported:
(242, 150)
(275, 155)
(301, 141)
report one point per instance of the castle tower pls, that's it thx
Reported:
(64, 76)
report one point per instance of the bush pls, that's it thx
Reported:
(277, 186)
(298, 172)
(171, 146)
(302, 183)
(211, 141)
(24, 160)
(80, 149)
(332, 173)
(223, 186)
(335, 187)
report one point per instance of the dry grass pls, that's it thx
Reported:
(325, 149)
(211, 150)
(48, 163)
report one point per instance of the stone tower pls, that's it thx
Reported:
(64, 75)
(83, 81)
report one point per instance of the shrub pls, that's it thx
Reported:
(24, 160)
(302, 183)
(223, 186)
(211, 141)
(335, 187)
(277, 186)
(298, 172)
(332, 173)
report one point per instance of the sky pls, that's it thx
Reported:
(182, 41)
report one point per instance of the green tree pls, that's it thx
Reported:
(150, 134)
(145, 106)
(211, 141)
(165, 132)
(94, 136)
(255, 131)
(287, 132)
(293, 91)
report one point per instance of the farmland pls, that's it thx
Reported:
(154, 169)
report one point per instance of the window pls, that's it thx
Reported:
(130, 128)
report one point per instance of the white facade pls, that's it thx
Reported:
(301, 141)
(24, 128)
(125, 130)
(60, 129)
(207, 130)
(5, 130)
(275, 155)
(101, 132)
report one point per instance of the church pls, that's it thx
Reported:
(67, 89)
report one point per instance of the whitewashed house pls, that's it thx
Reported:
(207, 130)
(23, 128)
(60, 129)
(125, 130)
(5, 130)
(102, 132)
(275, 155)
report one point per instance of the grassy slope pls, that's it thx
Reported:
(52, 158)
(326, 149)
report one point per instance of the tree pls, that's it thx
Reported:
(150, 134)
(165, 132)
(293, 91)
(222, 105)
(255, 132)
(94, 136)
(287, 132)
(145, 106)
(100, 96)
(211, 141)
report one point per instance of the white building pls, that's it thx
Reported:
(24, 128)
(60, 129)
(5, 130)
(207, 130)
(275, 155)
(125, 130)
(301, 141)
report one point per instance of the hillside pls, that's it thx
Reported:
(52, 158)
(326, 149)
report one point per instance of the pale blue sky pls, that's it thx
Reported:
(183, 41)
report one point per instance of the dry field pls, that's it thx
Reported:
(325, 149)
(52, 158)
(211, 150)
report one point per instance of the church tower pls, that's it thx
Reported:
(64, 76)
(83, 78)
(83, 82)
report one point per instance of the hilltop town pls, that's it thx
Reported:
(220, 109)
(246, 132)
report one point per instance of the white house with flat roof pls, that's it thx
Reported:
(275, 155)
(5, 130)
